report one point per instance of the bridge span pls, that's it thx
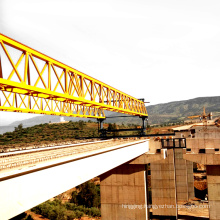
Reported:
(28, 178)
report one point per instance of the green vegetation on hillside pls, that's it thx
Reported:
(55, 210)
(56, 133)
(47, 133)
(85, 202)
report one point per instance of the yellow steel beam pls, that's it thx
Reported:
(79, 94)
(37, 105)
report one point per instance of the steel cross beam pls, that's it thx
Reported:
(32, 82)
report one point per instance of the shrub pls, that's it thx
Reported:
(71, 206)
(95, 212)
(78, 214)
(88, 195)
(70, 215)
(52, 210)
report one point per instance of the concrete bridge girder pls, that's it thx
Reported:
(23, 192)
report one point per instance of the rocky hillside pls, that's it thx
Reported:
(180, 110)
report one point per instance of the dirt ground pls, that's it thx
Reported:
(40, 217)
(35, 216)
(193, 208)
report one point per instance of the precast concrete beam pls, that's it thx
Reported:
(26, 190)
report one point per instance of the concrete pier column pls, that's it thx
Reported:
(181, 175)
(190, 179)
(124, 193)
(184, 176)
(171, 182)
(163, 186)
(213, 180)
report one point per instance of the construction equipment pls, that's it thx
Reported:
(203, 117)
(32, 82)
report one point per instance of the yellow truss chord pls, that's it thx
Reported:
(35, 83)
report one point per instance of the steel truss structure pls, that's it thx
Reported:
(32, 82)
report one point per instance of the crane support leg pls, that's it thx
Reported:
(144, 122)
(100, 127)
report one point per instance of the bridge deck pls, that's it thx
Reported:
(13, 163)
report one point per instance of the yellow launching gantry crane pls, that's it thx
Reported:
(32, 82)
(203, 117)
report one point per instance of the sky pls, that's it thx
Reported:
(159, 50)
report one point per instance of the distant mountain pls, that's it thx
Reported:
(45, 119)
(160, 113)
(180, 110)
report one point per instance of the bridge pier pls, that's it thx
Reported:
(203, 148)
(124, 193)
(171, 182)
(213, 181)
(163, 186)
(212, 161)
(124, 189)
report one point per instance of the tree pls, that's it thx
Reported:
(81, 124)
(20, 126)
(88, 195)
